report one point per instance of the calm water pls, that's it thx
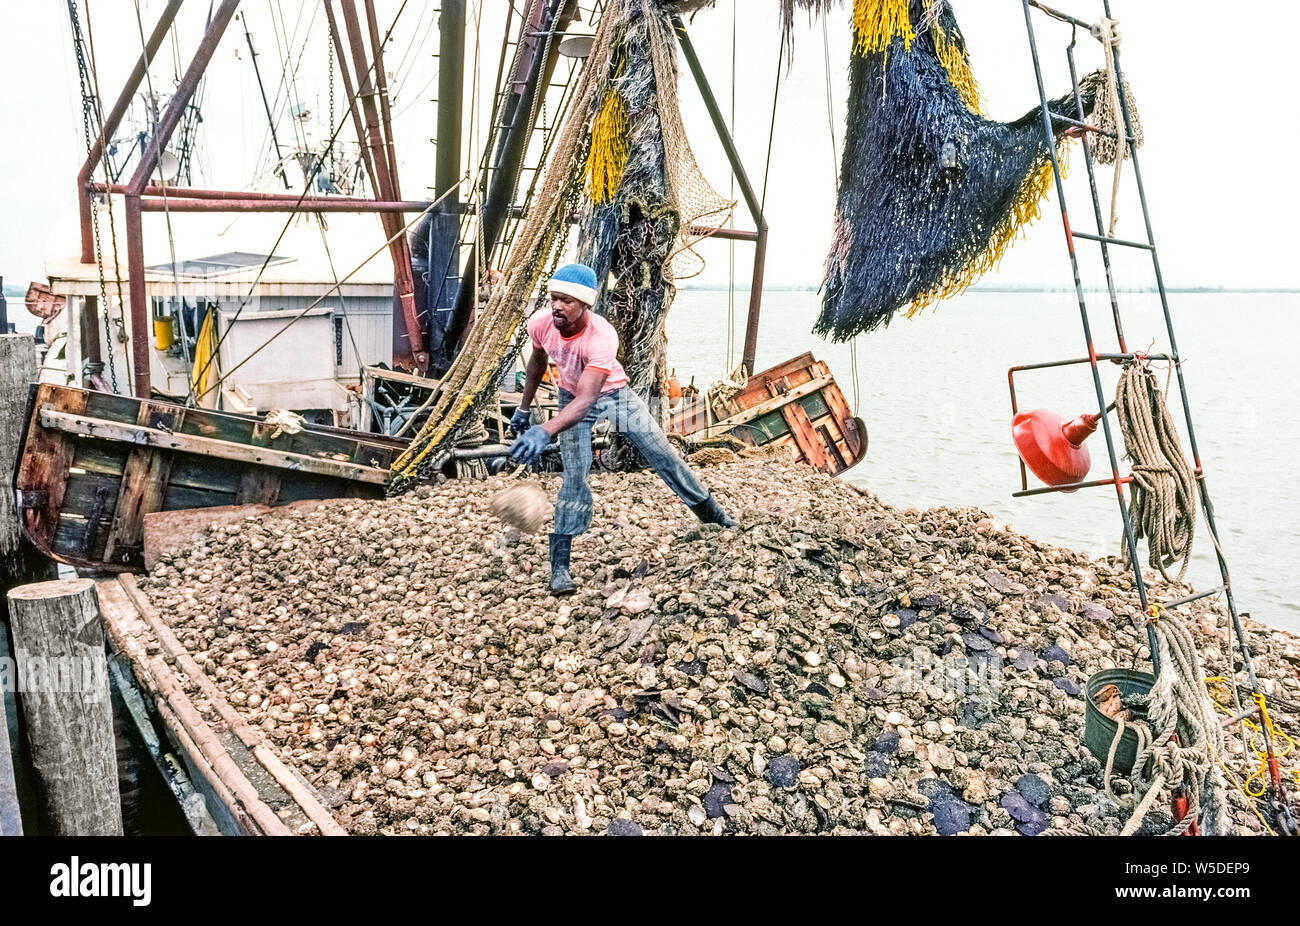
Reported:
(933, 392)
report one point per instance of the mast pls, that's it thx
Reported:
(537, 59)
(443, 251)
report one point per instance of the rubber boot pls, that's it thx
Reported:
(561, 582)
(710, 512)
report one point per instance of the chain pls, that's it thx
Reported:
(87, 107)
(330, 43)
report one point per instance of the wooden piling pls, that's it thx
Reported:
(59, 654)
(19, 562)
(11, 817)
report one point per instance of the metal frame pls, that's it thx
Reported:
(752, 202)
(1094, 357)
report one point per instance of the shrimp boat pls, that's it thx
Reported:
(193, 323)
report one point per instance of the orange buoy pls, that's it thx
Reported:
(1052, 447)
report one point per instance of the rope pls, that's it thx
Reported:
(1163, 505)
(477, 366)
(1186, 749)
(1107, 32)
(1253, 737)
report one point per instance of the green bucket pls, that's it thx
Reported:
(1099, 730)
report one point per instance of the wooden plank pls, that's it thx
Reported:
(86, 518)
(771, 404)
(806, 436)
(100, 457)
(205, 473)
(834, 397)
(203, 748)
(794, 371)
(303, 794)
(240, 429)
(82, 492)
(221, 449)
(180, 497)
(43, 469)
(121, 408)
(144, 478)
(259, 485)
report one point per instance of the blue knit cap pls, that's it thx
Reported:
(576, 280)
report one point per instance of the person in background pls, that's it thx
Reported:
(584, 347)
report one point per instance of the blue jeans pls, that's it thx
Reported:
(631, 418)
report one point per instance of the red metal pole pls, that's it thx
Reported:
(399, 247)
(755, 297)
(230, 204)
(139, 302)
(373, 137)
(111, 122)
(148, 161)
(175, 192)
(381, 80)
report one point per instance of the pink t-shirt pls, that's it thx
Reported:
(596, 348)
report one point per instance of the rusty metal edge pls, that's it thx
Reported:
(185, 725)
(302, 793)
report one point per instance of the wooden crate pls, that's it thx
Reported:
(795, 404)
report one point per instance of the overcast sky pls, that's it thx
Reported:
(1219, 160)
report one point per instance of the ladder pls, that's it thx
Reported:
(1125, 355)
(553, 103)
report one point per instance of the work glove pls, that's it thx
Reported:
(528, 448)
(519, 421)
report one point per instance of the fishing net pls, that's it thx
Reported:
(469, 385)
(648, 202)
(932, 193)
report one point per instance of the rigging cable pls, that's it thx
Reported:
(301, 314)
(731, 219)
(343, 306)
(120, 336)
(308, 180)
(835, 174)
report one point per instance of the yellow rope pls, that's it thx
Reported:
(958, 68)
(1283, 745)
(609, 148)
(877, 22)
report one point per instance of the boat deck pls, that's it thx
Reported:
(248, 789)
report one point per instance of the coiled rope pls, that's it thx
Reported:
(1187, 745)
(1163, 504)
